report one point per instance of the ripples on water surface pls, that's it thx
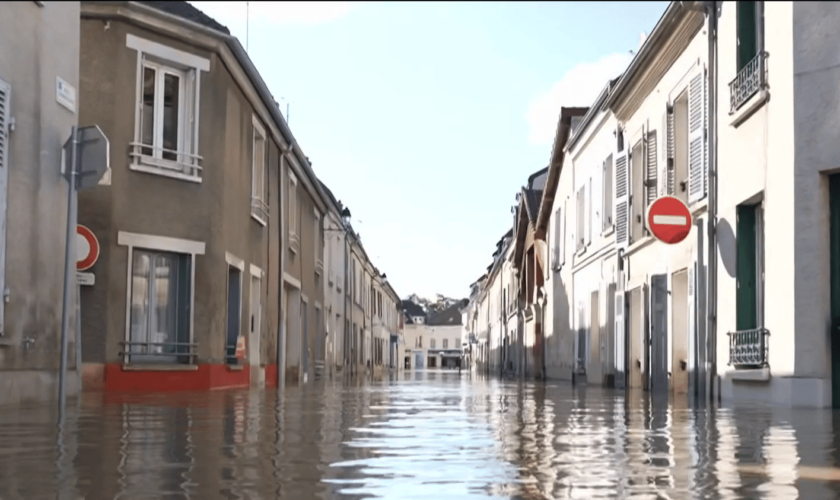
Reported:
(429, 435)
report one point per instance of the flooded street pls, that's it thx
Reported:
(432, 434)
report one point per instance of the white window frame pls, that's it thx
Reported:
(294, 239)
(259, 180)
(188, 67)
(580, 218)
(161, 244)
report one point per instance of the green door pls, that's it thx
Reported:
(834, 201)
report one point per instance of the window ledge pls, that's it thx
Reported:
(261, 221)
(638, 245)
(608, 232)
(750, 374)
(155, 167)
(235, 368)
(140, 367)
(748, 108)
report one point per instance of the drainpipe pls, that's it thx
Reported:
(281, 327)
(711, 279)
(543, 302)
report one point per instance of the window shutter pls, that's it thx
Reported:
(622, 205)
(558, 237)
(590, 211)
(652, 165)
(579, 217)
(668, 186)
(5, 118)
(696, 138)
(563, 237)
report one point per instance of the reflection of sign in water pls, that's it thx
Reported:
(239, 421)
(240, 347)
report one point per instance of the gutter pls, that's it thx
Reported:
(711, 280)
(281, 327)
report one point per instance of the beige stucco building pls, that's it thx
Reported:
(39, 104)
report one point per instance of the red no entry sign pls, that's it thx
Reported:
(87, 248)
(669, 220)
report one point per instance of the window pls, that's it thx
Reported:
(607, 205)
(590, 212)
(446, 343)
(747, 19)
(167, 107)
(160, 307)
(259, 186)
(432, 344)
(294, 240)
(750, 267)
(637, 193)
(678, 183)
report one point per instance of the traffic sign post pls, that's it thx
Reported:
(87, 151)
(669, 220)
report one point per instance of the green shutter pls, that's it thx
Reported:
(747, 33)
(746, 269)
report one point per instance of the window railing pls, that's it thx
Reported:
(748, 82)
(749, 348)
(185, 165)
(151, 352)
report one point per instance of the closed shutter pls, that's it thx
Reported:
(652, 165)
(558, 237)
(668, 185)
(5, 118)
(622, 200)
(580, 212)
(563, 237)
(696, 138)
(590, 212)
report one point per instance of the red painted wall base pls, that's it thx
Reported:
(206, 377)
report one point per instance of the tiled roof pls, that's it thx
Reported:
(449, 316)
(186, 11)
(533, 197)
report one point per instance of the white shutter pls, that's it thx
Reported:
(652, 166)
(622, 198)
(580, 215)
(563, 237)
(692, 318)
(619, 332)
(5, 118)
(670, 160)
(590, 211)
(558, 237)
(696, 138)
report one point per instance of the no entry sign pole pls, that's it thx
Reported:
(669, 220)
(69, 269)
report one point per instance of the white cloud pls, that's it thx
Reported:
(580, 87)
(277, 12)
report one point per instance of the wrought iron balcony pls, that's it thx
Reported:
(748, 82)
(748, 348)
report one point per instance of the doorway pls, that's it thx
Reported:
(659, 333)
(256, 312)
(679, 329)
(635, 322)
(834, 245)
(234, 314)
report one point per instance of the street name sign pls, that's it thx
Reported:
(669, 220)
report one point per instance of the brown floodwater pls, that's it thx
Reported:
(423, 435)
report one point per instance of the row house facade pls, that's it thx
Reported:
(722, 314)
(40, 54)
(434, 339)
(217, 265)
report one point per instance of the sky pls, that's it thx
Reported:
(425, 118)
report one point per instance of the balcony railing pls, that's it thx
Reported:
(748, 82)
(748, 348)
(159, 352)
